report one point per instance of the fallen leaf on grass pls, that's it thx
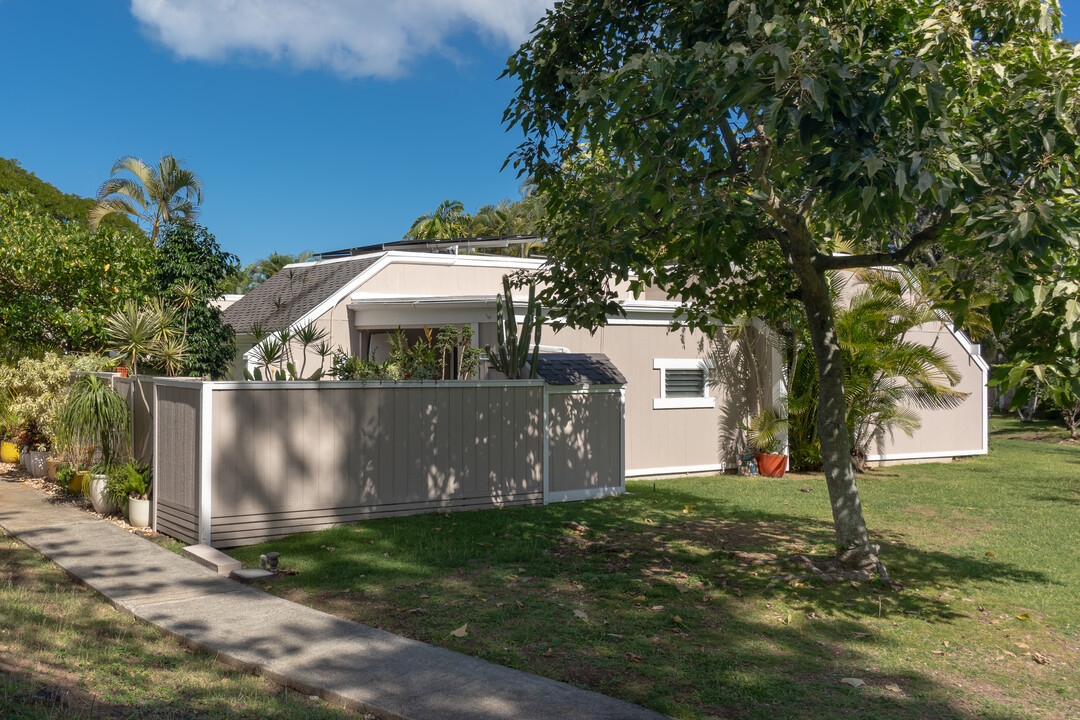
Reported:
(853, 682)
(484, 544)
(520, 604)
(893, 687)
(640, 598)
(581, 614)
(386, 555)
(945, 643)
(632, 657)
(657, 608)
(461, 631)
(1040, 658)
(938, 652)
(1009, 653)
(1025, 616)
(331, 548)
(676, 619)
(990, 554)
(424, 596)
(1024, 646)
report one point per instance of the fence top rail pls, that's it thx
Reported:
(338, 384)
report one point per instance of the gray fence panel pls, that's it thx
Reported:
(176, 483)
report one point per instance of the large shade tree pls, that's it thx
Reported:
(724, 151)
(157, 195)
(59, 281)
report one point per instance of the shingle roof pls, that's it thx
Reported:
(293, 292)
(578, 369)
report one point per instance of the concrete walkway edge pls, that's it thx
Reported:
(293, 645)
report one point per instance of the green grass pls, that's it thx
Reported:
(679, 595)
(65, 653)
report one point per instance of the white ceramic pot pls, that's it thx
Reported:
(37, 463)
(102, 504)
(138, 512)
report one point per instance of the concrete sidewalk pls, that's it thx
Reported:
(316, 653)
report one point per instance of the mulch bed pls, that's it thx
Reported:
(62, 496)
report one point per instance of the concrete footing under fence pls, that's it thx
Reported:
(316, 653)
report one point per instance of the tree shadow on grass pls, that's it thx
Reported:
(691, 604)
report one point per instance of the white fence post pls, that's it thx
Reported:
(545, 420)
(206, 408)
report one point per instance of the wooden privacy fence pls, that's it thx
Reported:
(237, 463)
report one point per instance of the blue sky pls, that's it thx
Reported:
(294, 154)
(314, 124)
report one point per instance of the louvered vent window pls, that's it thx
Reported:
(684, 383)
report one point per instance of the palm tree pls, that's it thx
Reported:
(448, 221)
(888, 377)
(156, 195)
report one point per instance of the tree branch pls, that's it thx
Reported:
(901, 256)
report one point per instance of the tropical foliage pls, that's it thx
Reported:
(1044, 351)
(889, 376)
(156, 195)
(94, 415)
(59, 281)
(188, 271)
(513, 353)
(723, 151)
(449, 220)
(65, 207)
(446, 355)
(243, 281)
(35, 389)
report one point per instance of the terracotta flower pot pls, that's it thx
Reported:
(51, 466)
(770, 465)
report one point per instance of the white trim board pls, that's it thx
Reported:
(925, 455)
(675, 470)
(586, 494)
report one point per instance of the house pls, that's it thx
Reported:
(686, 396)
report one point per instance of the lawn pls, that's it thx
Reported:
(67, 654)
(679, 595)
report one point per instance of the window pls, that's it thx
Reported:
(684, 383)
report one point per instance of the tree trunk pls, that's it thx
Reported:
(848, 521)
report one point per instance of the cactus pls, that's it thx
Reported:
(512, 352)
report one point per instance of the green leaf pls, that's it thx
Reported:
(925, 181)
(1027, 220)
(1072, 311)
(901, 180)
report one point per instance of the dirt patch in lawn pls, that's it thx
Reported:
(1058, 437)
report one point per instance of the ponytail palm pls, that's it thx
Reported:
(156, 195)
(95, 413)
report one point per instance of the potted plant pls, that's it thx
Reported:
(9, 429)
(95, 413)
(61, 449)
(129, 487)
(35, 447)
(67, 477)
(768, 433)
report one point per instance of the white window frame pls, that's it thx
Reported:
(664, 402)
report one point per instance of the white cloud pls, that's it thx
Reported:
(354, 38)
